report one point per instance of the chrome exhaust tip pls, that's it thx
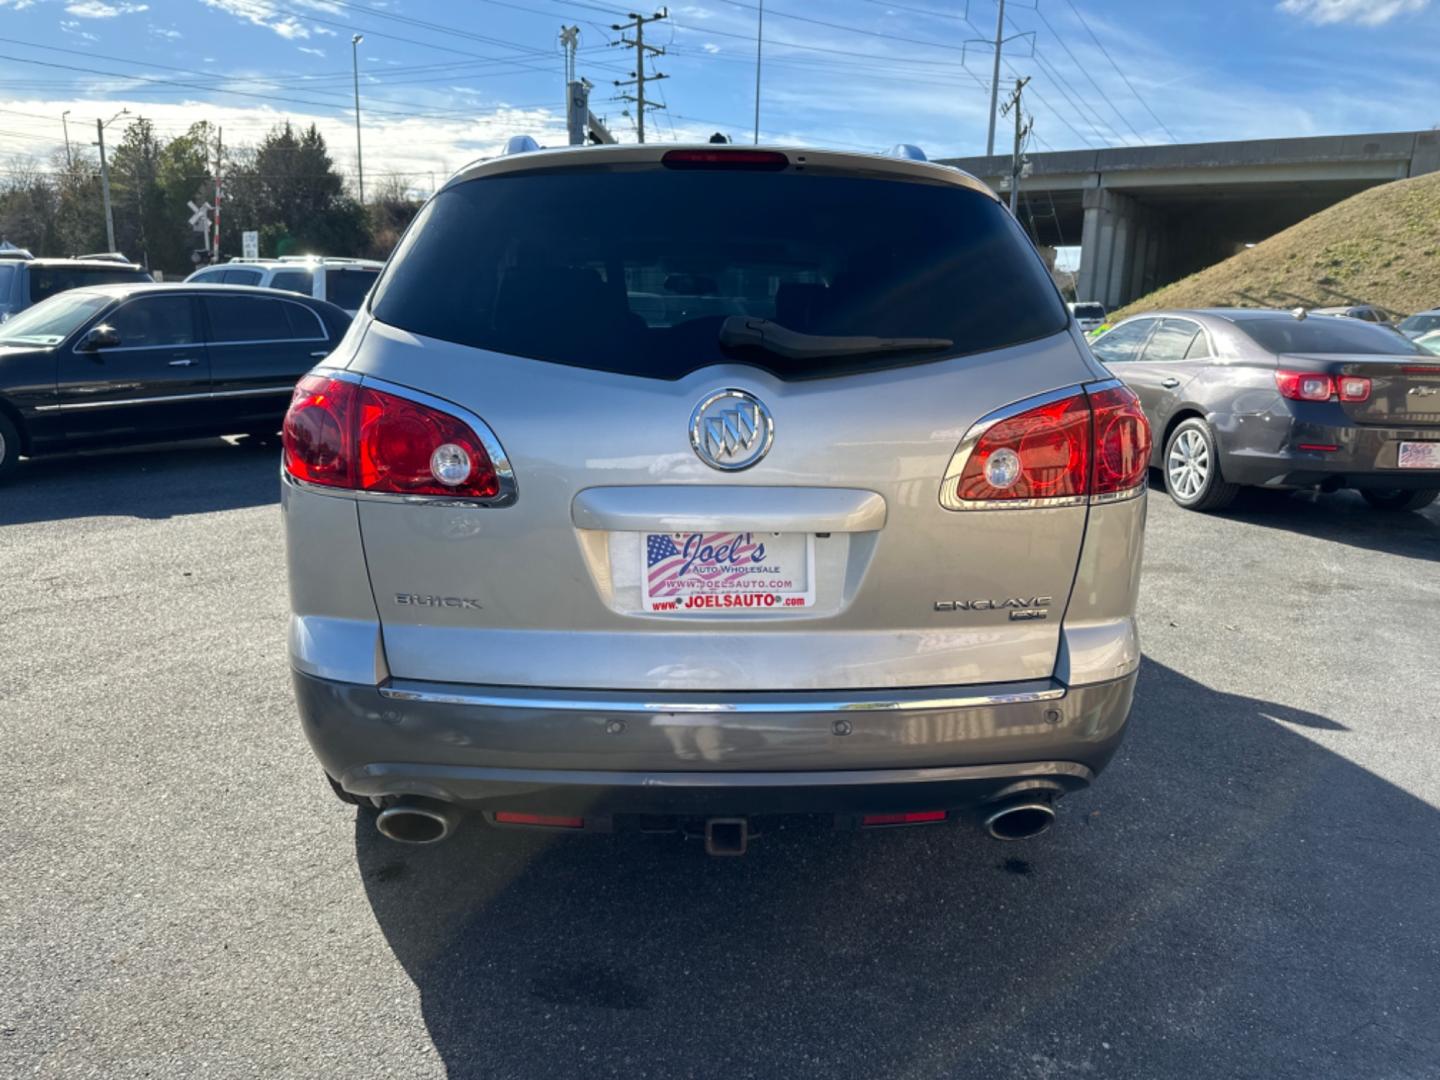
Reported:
(413, 821)
(1020, 820)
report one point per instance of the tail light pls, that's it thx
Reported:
(539, 821)
(751, 160)
(1122, 441)
(343, 435)
(1084, 444)
(1352, 388)
(1307, 386)
(907, 817)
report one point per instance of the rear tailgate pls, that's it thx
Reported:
(587, 341)
(555, 579)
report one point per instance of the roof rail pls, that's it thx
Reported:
(907, 150)
(519, 144)
(105, 256)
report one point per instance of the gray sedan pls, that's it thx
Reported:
(1280, 399)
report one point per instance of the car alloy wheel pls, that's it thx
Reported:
(1188, 464)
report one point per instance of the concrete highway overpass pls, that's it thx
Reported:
(1148, 215)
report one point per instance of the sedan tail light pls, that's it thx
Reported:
(1305, 385)
(1066, 449)
(1352, 387)
(343, 435)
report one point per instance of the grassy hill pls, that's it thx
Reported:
(1379, 247)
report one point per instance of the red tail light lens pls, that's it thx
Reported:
(753, 160)
(1122, 441)
(318, 430)
(907, 817)
(1352, 388)
(1305, 386)
(1042, 453)
(338, 434)
(543, 821)
(1095, 443)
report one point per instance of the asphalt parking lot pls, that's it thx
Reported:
(1253, 889)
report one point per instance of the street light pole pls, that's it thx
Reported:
(355, 41)
(100, 126)
(105, 186)
(69, 161)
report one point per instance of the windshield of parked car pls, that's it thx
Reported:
(46, 281)
(1325, 334)
(1089, 311)
(52, 321)
(1430, 342)
(1421, 324)
(544, 265)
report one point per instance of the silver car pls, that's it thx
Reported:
(568, 558)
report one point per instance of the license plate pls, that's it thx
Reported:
(1419, 455)
(741, 572)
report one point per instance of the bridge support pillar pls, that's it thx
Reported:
(1120, 249)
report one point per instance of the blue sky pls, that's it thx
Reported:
(444, 81)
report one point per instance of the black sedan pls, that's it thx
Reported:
(1281, 399)
(115, 364)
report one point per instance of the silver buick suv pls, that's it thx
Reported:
(684, 488)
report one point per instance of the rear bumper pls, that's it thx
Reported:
(621, 752)
(1365, 457)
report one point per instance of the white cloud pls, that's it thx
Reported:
(1365, 12)
(312, 52)
(72, 26)
(98, 9)
(263, 13)
(711, 48)
(167, 34)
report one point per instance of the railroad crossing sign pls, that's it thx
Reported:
(200, 216)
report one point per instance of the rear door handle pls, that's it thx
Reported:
(1170, 383)
(185, 362)
(319, 353)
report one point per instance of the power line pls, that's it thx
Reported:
(1120, 72)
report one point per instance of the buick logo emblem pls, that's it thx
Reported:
(731, 430)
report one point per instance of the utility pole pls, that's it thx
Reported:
(759, 42)
(637, 23)
(995, 78)
(355, 41)
(69, 161)
(219, 166)
(105, 185)
(1023, 124)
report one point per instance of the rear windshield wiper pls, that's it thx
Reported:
(742, 330)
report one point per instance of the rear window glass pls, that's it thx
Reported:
(1325, 334)
(347, 288)
(634, 270)
(298, 281)
(242, 277)
(46, 281)
(1089, 311)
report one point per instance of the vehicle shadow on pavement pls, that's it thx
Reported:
(143, 482)
(1342, 517)
(1233, 899)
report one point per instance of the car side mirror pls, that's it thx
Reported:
(97, 338)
